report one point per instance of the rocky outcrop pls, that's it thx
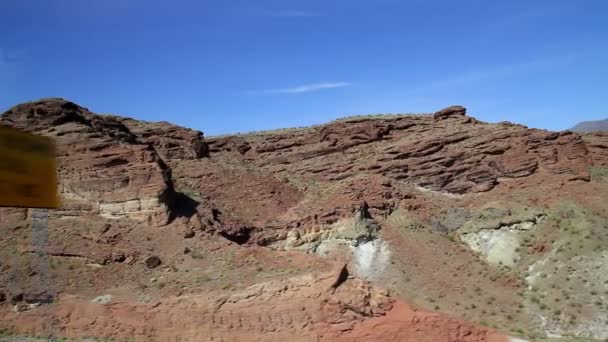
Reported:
(320, 238)
(229, 144)
(302, 305)
(170, 141)
(123, 168)
(299, 309)
(449, 112)
(597, 144)
(104, 167)
(234, 214)
(459, 155)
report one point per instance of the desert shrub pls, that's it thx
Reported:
(599, 174)
(196, 255)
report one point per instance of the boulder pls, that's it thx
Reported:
(450, 112)
(188, 233)
(103, 300)
(153, 262)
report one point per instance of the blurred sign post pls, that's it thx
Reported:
(28, 179)
(28, 175)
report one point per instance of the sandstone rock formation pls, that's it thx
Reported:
(597, 144)
(262, 312)
(296, 233)
(105, 167)
(170, 141)
(459, 156)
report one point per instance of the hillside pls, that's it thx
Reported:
(386, 228)
(591, 126)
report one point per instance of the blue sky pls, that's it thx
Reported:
(242, 65)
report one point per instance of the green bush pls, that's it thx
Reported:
(196, 255)
(599, 174)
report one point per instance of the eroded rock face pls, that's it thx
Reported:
(353, 231)
(459, 155)
(170, 141)
(495, 232)
(597, 144)
(120, 167)
(103, 166)
(298, 309)
(331, 190)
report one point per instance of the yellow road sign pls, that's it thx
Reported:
(28, 173)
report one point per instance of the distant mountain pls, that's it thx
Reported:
(591, 126)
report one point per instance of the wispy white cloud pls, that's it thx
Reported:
(290, 14)
(307, 88)
(493, 73)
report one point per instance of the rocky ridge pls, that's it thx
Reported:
(135, 192)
